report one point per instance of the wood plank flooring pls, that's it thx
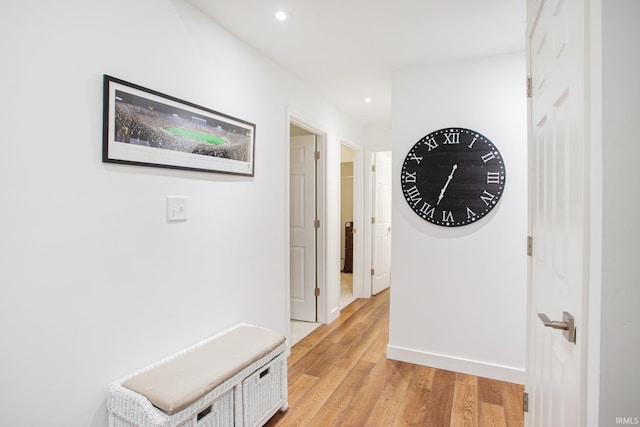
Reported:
(339, 376)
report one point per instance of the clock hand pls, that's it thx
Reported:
(446, 184)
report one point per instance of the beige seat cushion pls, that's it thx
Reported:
(174, 385)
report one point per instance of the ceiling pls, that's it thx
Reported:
(348, 49)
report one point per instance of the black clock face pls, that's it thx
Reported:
(453, 177)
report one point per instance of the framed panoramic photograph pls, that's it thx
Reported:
(148, 128)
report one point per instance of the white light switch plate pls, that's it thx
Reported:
(176, 208)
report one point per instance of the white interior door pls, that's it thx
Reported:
(302, 227)
(558, 212)
(381, 262)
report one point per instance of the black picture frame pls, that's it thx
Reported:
(144, 127)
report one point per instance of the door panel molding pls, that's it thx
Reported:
(558, 212)
(300, 120)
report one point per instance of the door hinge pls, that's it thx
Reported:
(525, 401)
(373, 272)
(316, 155)
(529, 87)
(373, 168)
(373, 220)
(317, 291)
(316, 223)
(529, 246)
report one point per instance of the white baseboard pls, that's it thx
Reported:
(448, 363)
(334, 314)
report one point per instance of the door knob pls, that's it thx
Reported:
(567, 325)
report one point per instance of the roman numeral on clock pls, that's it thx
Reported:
(431, 143)
(410, 177)
(493, 177)
(416, 158)
(427, 210)
(447, 216)
(488, 156)
(452, 138)
(414, 194)
(487, 197)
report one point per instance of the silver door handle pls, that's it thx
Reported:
(567, 325)
(555, 324)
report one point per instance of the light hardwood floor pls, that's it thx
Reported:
(339, 376)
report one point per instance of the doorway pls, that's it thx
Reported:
(328, 239)
(381, 222)
(305, 237)
(303, 226)
(559, 209)
(347, 226)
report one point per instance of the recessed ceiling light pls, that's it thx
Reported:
(368, 100)
(281, 15)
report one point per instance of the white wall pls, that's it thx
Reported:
(377, 137)
(463, 289)
(620, 298)
(94, 282)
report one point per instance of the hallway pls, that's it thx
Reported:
(339, 375)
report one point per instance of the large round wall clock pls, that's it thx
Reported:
(453, 177)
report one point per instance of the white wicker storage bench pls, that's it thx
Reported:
(235, 378)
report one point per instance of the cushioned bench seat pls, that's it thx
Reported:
(183, 387)
(177, 384)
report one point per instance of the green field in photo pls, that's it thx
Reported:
(197, 136)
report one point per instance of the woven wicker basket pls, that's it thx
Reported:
(248, 398)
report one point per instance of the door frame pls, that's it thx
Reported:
(376, 159)
(321, 197)
(589, 317)
(369, 188)
(303, 236)
(359, 224)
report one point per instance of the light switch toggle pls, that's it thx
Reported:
(176, 208)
